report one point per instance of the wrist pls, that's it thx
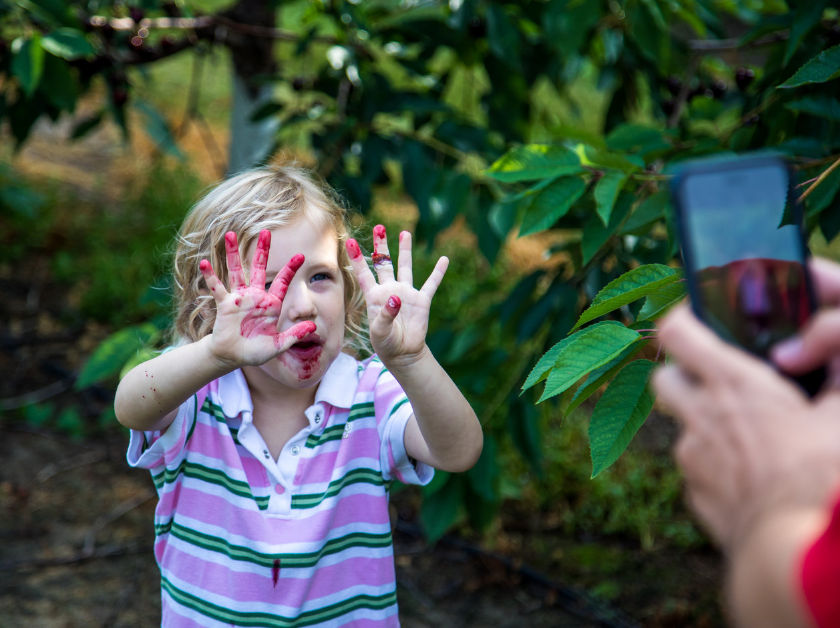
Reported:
(404, 363)
(218, 363)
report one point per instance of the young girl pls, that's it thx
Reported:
(273, 448)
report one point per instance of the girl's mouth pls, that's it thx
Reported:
(308, 348)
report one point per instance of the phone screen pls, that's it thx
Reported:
(749, 271)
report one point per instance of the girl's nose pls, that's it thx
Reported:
(298, 302)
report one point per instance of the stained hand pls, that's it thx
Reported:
(247, 317)
(397, 311)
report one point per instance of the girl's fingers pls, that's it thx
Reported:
(234, 263)
(381, 325)
(286, 339)
(213, 284)
(260, 259)
(360, 267)
(433, 282)
(281, 282)
(381, 258)
(405, 270)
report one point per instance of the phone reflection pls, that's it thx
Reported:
(755, 302)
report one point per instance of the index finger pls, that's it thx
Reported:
(234, 263)
(360, 267)
(699, 350)
(826, 276)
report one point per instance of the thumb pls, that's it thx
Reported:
(286, 339)
(385, 319)
(813, 347)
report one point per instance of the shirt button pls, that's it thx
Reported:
(279, 489)
(317, 418)
(295, 450)
(265, 453)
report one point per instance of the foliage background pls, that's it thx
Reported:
(531, 142)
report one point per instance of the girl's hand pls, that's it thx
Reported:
(397, 311)
(246, 329)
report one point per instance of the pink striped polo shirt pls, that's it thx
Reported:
(304, 540)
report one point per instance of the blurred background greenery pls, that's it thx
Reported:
(528, 141)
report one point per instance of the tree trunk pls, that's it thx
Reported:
(253, 59)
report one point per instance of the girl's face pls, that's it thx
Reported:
(315, 294)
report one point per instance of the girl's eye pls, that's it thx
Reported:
(320, 277)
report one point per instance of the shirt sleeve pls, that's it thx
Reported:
(164, 448)
(821, 574)
(393, 410)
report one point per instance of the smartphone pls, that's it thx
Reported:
(743, 246)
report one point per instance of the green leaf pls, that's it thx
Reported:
(650, 210)
(109, 357)
(551, 204)
(635, 138)
(593, 347)
(28, 62)
(619, 414)
(821, 106)
(595, 234)
(824, 67)
(440, 510)
(606, 159)
(606, 192)
(824, 193)
(62, 90)
(484, 475)
(502, 36)
(534, 161)
(808, 14)
(67, 43)
(547, 362)
(631, 286)
(600, 376)
(657, 303)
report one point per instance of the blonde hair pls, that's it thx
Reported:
(263, 198)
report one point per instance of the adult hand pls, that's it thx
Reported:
(398, 312)
(246, 331)
(819, 343)
(751, 441)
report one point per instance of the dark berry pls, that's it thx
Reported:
(697, 91)
(136, 42)
(751, 120)
(136, 14)
(171, 9)
(718, 88)
(668, 107)
(119, 96)
(743, 77)
(299, 83)
(674, 85)
(475, 27)
(834, 35)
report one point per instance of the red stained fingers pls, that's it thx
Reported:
(260, 260)
(405, 271)
(360, 267)
(286, 339)
(433, 282)
(213, 284)
(381, 257)
(281, 282)
(234, 263)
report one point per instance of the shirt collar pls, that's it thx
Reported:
(337, 387)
